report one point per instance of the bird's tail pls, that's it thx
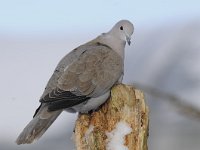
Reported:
(38, 125)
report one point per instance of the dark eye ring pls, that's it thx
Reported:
(121, 28)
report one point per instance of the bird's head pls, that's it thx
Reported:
(123, 30)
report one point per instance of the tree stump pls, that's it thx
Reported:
(121, 123)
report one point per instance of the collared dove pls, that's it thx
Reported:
(82, 80)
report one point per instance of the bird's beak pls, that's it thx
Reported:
(128, 40)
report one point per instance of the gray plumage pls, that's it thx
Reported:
(82, 80)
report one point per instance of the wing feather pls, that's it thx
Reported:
(59, 99)
(93, 73)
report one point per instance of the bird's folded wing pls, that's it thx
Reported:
(96, 70)
(59, 99)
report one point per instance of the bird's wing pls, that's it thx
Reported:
(95, 71)
(65, 61)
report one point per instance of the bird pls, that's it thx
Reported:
(82, 80)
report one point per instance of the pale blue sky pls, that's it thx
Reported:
(58, 15)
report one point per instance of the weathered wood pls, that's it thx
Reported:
(126, 104)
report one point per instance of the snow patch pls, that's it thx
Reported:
(116, 137)
(89, 131)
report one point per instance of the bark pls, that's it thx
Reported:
(126, 104)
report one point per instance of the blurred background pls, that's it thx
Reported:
(163, 60)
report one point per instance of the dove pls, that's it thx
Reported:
(82, 80)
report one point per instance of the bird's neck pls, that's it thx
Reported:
(116, 44)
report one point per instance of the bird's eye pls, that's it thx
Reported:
(121, 28)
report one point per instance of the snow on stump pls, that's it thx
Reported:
(120, 124)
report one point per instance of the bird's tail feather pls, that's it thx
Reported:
(37, 126)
